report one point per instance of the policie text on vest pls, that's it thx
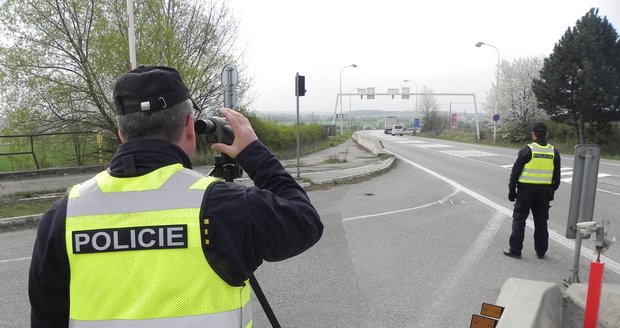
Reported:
(129, 239)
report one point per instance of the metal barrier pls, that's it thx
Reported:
(30, 146)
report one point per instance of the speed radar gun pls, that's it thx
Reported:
(217, 130)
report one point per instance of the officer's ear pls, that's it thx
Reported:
(189, 127)
(121, 136)
(187, 140)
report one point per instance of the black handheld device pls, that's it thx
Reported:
(218, 130)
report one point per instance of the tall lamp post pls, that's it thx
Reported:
(479, 44)
(340, 94)
(350, 115)
(416, 91)
(131, 35)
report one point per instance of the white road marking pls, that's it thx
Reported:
(15, 260)
(467, 153)
(432, 145)
(553, 235)
(403, 210)
(460, 269)
(565, 172)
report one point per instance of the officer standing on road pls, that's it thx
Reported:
(534, 179)
(149, 241)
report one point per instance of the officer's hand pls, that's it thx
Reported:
(512, 194)
(551, 194)
(242, 129)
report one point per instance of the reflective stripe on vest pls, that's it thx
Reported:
(222, 319)
(539, 170)
(136, 259)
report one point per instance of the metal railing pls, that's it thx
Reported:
(78, 148)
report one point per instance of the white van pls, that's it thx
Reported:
(397, 130)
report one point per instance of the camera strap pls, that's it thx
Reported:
(263, 302)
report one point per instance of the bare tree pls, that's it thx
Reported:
(429, 106)
(63, 56)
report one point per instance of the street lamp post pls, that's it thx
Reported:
(416, 96)
(479, 44)
(340, 93)
(131, 35)
(350, 115)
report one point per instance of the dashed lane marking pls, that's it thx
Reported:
(467, 153)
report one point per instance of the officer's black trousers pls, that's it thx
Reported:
(536, 200)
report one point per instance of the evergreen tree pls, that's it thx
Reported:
(580, 81)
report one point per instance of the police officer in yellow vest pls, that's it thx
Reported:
(152, 243)
(533, 181)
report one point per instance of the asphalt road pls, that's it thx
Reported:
(485, 170)
(419, 246)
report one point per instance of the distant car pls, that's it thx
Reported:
(397, 130)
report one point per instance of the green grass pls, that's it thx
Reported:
(21, 208)
(305, 150)
(27, 203)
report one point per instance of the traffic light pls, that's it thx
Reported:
(300, 85)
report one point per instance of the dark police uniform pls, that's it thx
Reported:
(534, 190)
(272, 221)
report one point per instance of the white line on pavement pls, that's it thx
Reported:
(403, 210)
(465, 264)
(15, 260)
(553, 235)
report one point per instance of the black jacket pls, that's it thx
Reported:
(524, 156)
(272, 221)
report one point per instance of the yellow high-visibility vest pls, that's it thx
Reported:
(539, 170)
(135, 248)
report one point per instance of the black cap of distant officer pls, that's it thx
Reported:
(540, 128)
(148, 89)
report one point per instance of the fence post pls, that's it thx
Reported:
(32, 150)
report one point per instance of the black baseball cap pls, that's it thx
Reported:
(148, 89)
(539, 127)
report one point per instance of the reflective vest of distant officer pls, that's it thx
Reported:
(539, 170)
(135, 248)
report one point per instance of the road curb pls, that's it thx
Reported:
(19, 222)
(314, 178)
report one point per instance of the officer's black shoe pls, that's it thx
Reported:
(540, 256)
(512, 254)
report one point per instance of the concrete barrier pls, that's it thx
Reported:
(372, 144)
(530, 304)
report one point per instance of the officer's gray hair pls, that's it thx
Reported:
(166, 124)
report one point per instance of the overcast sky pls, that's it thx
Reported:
(431, 42)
